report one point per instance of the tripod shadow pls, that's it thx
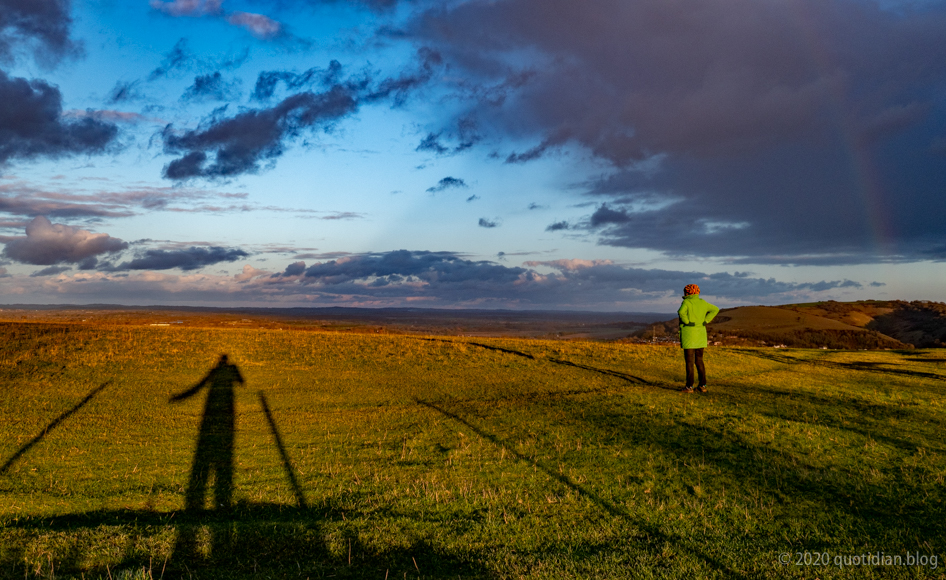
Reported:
(213, 457)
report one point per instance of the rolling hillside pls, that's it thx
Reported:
(836, 325)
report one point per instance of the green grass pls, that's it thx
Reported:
(494, 458)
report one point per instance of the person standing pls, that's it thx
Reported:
(694, 314)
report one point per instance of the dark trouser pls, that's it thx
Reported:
(694, 355)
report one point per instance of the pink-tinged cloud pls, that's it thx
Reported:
(249, 272)
(188, 7)
(259, 26)
(570, 265)
(47, 243)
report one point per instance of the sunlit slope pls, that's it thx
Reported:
(777, 325)
(775, 320)
(920, 323)
(367, 456)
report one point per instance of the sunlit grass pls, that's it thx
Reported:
(446, 457)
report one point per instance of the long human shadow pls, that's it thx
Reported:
(213, 461)
(212, 458)
(235, 539)
(55, 423)
(214, 454)
(651, 531)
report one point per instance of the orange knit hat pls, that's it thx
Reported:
(691, 289)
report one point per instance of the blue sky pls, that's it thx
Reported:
(507, 154)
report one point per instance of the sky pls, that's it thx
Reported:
(502, 154)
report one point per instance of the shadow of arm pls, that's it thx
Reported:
(189, 392)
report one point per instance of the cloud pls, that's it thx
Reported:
(557, 226)
(260, 26)
(192, 8)
(485, 223)
(432, 143)
(398, 88)
(473, 197)
(46, 244)
(248, 273)
(793, 130)
(41, 25)
(531, 154)
(403, 267)
(211, 87)
(177, 59)
(32, 123)
(433, 279)
(446, 278)
(239, 144)
(124, 91)
(50, 271)
(267, 81)
(294, 269)
(465, 133)
(22, 199)
(191, 258)
(105, 115)
(447, 183)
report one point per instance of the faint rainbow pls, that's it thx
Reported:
(861, 162)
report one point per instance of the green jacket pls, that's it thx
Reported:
(694, 313)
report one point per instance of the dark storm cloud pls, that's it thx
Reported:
(240, 143)
(268, 81)
(191, 258)
(211, 87)
(46, 244)
(32, 123)
(447, 183)
(735, 128)
(177, 59)
(41, 25)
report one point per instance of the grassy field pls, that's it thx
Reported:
(360, 456)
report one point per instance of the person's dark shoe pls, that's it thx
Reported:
(701, 388)
(686, 390)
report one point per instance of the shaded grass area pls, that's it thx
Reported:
(366, 456)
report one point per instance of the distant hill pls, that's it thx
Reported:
(869, 324)
(920, 323)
